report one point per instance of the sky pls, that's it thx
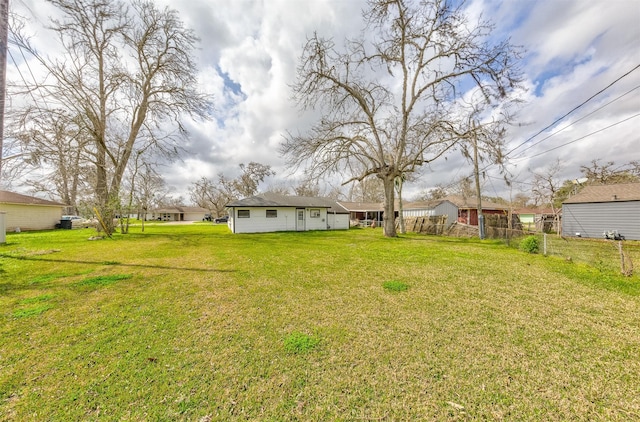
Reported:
(573, 49)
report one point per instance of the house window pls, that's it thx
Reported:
(272, 213)
(315, 213)
(244, 214)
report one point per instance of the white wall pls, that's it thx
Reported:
(338, 221)
(317, 223)
(285, 221)
(259, 223)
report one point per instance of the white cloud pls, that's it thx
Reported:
(573, 48)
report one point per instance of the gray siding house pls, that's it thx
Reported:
(599, 209)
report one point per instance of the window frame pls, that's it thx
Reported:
(242, 212)
(273, 212)
(314, 212)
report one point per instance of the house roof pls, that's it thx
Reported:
(534, 211)
(178, 210)
(13, 198)
(606, 193)
(276, 200)
(362, 206)
(424, 205)
(472, 203)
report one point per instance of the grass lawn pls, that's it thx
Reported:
(195, 323)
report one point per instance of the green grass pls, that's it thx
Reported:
(32, 311)
(103, 280)
(395, 286)
(300, 343)
(195, 323)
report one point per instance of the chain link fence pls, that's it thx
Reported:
(606, 254)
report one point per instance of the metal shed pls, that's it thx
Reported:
(599, 209)
(432, 208)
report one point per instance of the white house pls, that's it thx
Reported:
(29, 213)
(272, 212)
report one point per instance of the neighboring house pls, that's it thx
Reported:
(364, 212)
(180, 214)
(468, 209)
(271, 212)
(431, 209)
(535, 219)
(599, 209)
(29, 213)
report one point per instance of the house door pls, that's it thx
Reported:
(300, 219)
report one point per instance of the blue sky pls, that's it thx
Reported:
(249, 52)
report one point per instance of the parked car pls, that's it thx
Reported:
(222, 219)
(77, 222)
(207, 217)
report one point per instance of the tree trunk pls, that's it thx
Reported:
(388, 218)
(399, 183)
(102, 189)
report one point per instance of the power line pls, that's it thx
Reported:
(35, 102)
(564, 116)
(549, 150)
(585, 136)
(575, 108)
(580, 119)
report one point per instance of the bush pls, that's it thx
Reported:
(530, 244)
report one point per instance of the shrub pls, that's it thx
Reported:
(530, 244)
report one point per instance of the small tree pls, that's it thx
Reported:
(546, 187)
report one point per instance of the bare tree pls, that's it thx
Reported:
(438, 192)
(608, 173)
(367, 190)
(546, 187)
(54, 146)
(388, 104)
(252, 175)
(521, 200)
(307, 187)
(216, 195)
(127, 72)
(211, 195)
(463, 187)
(150, 190)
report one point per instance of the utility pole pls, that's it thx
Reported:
(477, 174)
(4, 36)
